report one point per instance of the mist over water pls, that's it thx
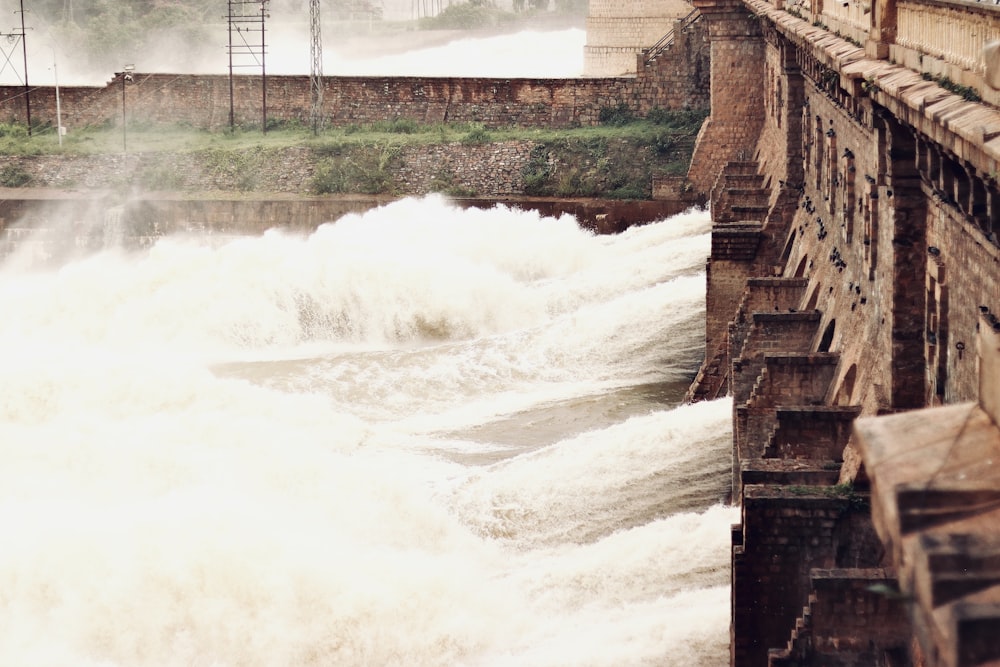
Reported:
(418, 436)
(553, 54)
(530, 53)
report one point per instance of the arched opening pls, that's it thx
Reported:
(827, 340)
(846, 389)
(813, 299)
(786, 253)
(800, 270)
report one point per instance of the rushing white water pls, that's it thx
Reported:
(420, 436)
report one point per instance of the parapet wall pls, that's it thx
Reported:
(203, 101)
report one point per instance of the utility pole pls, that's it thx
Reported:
(245, 18)
(126, 78)
(55, 73)
(27, 91)
(316, 72)
(12, 38)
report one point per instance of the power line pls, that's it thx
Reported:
(15, 38)
(246, 18)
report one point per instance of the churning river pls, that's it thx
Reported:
(419, 436)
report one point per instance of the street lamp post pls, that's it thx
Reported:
(126, 78)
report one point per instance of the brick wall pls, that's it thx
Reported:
(203, 101)
(887, 214)
(817, 433)
(679, 77)
(617, 31)
(737, 57)
(785, 534)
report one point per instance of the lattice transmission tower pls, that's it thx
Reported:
(316, 72)
(14, 39)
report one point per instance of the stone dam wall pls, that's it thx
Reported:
(488, 170)
(55, 224)
(852, 297)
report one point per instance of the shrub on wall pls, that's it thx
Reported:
(477, 135)
(687, 120)
(616, 116)
(14, 176)
(446, 182)
(536, 173)
(239, 167)
(588, 167)
(362, 169)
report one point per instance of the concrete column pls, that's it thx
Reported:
(795, 95)
(907, 219)
(882, 33)
(737, 91)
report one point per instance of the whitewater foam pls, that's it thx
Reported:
(193, 472)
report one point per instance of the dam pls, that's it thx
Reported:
(852, 289)
(852, 293)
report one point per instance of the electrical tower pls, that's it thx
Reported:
(316, 72)
(247, 48)
(13, 39)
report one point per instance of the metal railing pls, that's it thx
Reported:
(665, 42)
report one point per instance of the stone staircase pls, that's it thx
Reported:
(712, 381)
(761, 294)
(649, 56)
(789, 446)
(817, 433)
(823, 636)
(739, 194)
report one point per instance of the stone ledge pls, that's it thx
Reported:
(788, 472)
(893, 86)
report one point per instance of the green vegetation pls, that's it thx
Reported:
(477, 134)
(616, 159)
(616, 116)
(447, 182)
(367, 172)
(13, 176)
(967, 93)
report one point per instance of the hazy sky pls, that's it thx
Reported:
(549, 54)
(554, 54)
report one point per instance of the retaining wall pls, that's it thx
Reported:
(203, 101)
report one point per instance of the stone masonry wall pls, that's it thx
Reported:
(203, 100)
(617, 31)
(489, 170)
(882, 200)
(733, 127)
(784, 535)
(683, 66)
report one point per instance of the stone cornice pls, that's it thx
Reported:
(971, 131)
